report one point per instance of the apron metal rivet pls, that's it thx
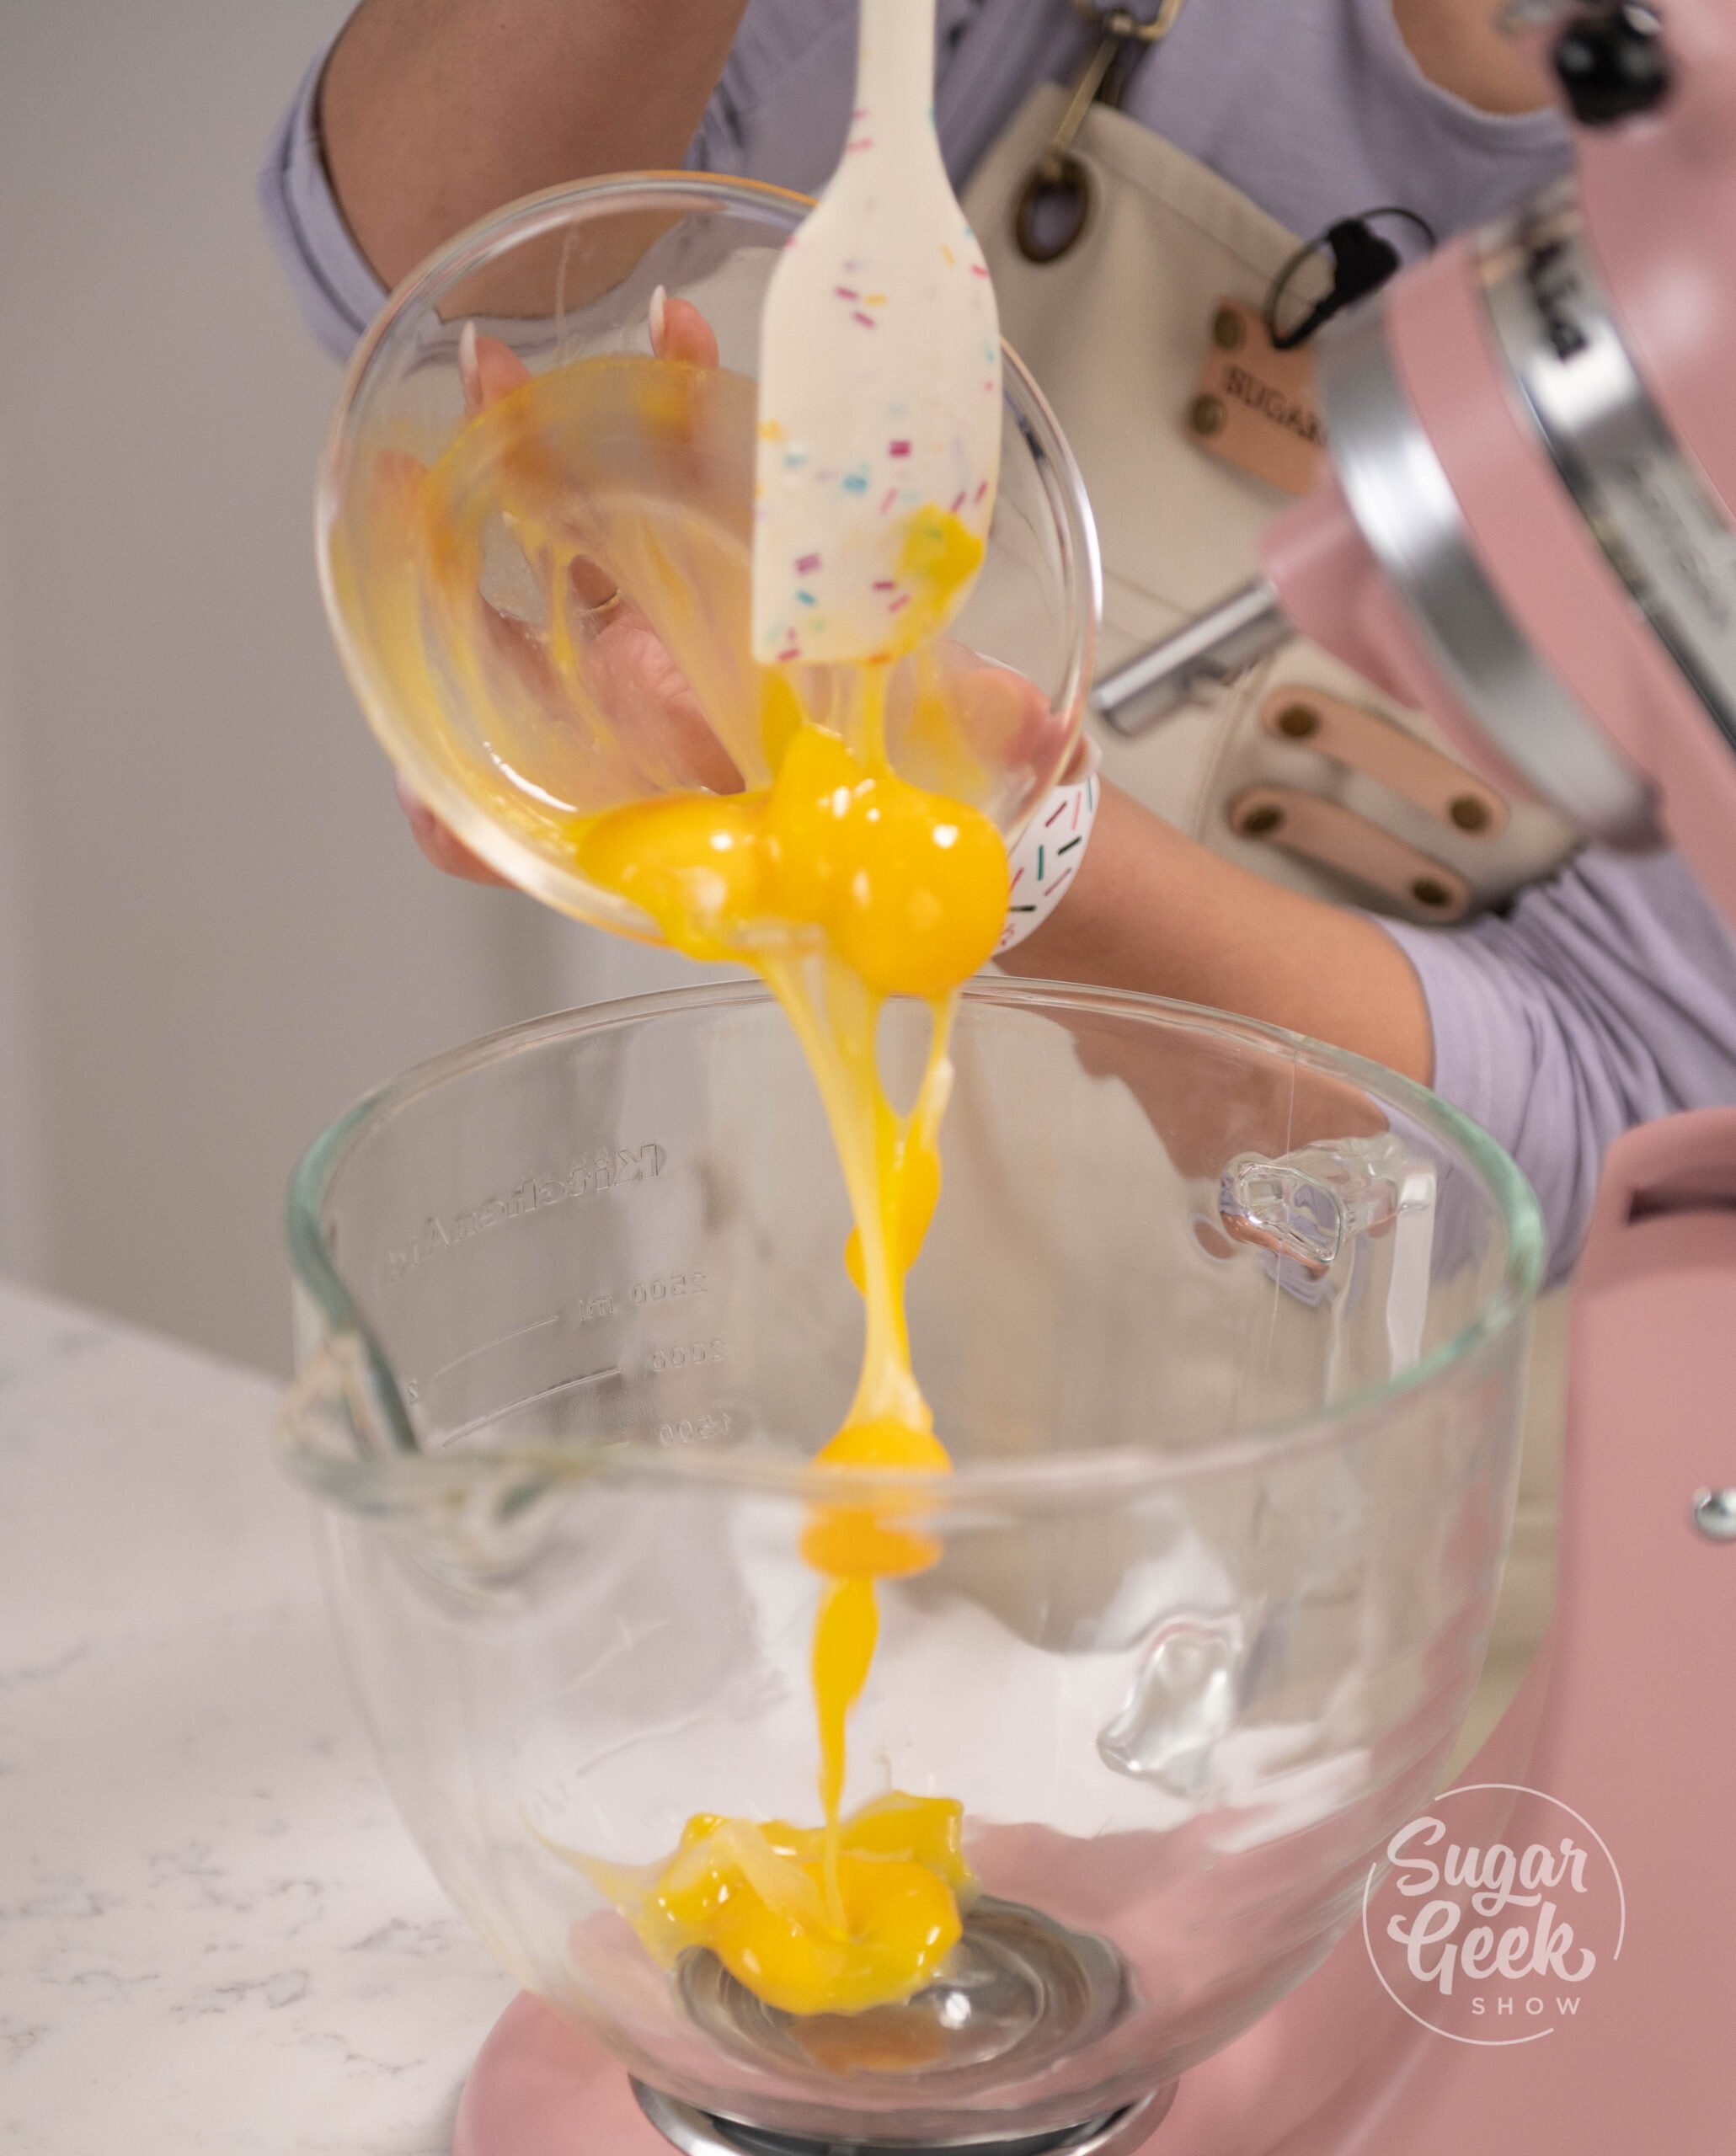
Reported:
(1427, 893)
(1469, 814)
(1715, 1514)
(1208, 415)
(1298, 721)
(1261, 822)
(1227, 330)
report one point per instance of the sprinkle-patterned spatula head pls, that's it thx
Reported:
(879, 383)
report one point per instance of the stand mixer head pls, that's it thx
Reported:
(1528, 530)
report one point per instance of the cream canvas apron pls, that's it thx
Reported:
(1115, 331)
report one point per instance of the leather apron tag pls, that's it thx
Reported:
(1255, 408)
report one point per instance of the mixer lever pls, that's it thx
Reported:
(1203, 653)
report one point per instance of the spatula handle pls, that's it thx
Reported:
(894, 72)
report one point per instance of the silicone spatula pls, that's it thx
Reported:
(880, 408)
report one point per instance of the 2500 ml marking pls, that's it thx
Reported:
(665, 1287)
(685, 1355)
(695, 1429)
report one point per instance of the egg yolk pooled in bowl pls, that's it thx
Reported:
(843, 883)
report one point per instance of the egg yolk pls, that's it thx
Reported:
(843, 884)
(840, 866)
(808, 1920)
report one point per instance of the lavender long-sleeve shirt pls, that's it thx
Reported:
(1603, 998)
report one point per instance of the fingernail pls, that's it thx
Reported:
(657, 316)
(469, 368)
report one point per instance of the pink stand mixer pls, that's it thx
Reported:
(1529, 533)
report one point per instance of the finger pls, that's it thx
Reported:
(661, 719)
(389, 506)
(655, 715)
(678, 330)
(1005, 716)
(486, 369)
(449, 854)
(1078, 762)
(592, 585)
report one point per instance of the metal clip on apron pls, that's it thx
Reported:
(1057, 200)
(1113, 254)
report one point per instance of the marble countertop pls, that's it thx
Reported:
(214, 1934)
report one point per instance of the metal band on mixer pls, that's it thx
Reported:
(1659, 525)
(700, 2133)
(1405, 506)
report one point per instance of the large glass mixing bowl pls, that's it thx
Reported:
(513, 701)
(1226, 1335)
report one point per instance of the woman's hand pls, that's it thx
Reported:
(657, 729)
(659, 713)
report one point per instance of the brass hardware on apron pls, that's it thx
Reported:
(1057, 200)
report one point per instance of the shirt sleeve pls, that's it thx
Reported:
(338, 293)
(778, 114)
(1602, 999)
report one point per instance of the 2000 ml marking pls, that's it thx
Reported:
(607, 1168)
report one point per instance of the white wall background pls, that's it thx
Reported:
(214, 932)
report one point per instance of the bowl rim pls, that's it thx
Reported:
(519, 223)
(403, 1470)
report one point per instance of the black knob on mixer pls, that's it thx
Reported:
(1612, 63)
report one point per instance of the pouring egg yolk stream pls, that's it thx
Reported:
(876, 889)
(843, 883)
